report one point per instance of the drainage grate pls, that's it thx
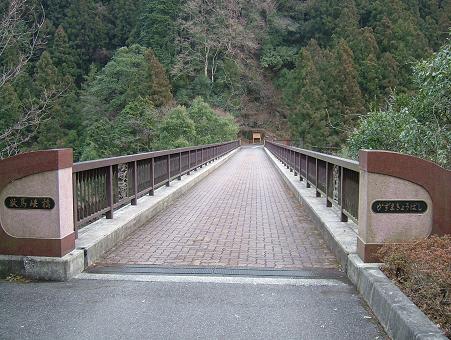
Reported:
(313, 273)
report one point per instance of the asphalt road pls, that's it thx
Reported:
(134, 307)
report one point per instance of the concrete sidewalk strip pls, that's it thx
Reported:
(398, 315)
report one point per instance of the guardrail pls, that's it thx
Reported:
(102, 186)
(335, 178)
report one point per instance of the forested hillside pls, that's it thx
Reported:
(116, 77)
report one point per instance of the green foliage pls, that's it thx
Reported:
(84, 24)
(311, 68)
(156, 28)
(419, 124)
(177, 130)
(9, 107)
(160, 92)
(123, 79)
(135, 127)
(62, 55)
(362, 50)
(210, 128)
(132, 131)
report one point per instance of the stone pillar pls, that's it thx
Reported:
(401, 199)
(36, 213)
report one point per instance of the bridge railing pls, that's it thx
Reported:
(335, 178)
(104, 185)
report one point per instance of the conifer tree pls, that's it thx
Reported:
(62, 55)
(309, 121)
(156, 28)
(9, 107)
(160, 87)
(46, 76)
(349, 93)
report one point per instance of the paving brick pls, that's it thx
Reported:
(240, 215)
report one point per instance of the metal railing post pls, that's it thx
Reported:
(135, 184)
(189, 163)
(328, 203)
(344, 218)
(75, 203)
(109, 192)
(317, 194)
(168, 168)
(180, 167)
(152, 176)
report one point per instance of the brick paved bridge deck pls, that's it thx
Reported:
(242, 215)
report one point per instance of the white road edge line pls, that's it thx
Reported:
(211, 279)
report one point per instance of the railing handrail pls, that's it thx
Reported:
(334, 178)
(104, 162)
(343, 162)
(98, 189)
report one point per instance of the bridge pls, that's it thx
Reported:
(224, 214)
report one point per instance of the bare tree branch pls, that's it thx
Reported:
(20, 32)
(19, 29)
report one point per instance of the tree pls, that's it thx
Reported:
(156, 28)
(132, 72)
(20, 28)
(160, 93)
(210, 128)
(177, 130)
(62, 55)
(308, 119)
(123, 17)
(211, 31)
(123, 79)
(135, 127)
(85, 26)
(20, 35)
(349, 93)
(417, 124)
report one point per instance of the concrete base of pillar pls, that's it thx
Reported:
(43, 268)
(368, 251)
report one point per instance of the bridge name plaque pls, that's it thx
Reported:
(42, 203)
(399, 207)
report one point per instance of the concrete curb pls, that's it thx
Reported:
(102, 235)
(398, 315)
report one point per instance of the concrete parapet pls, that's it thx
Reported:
(36, 204)
(402, 198)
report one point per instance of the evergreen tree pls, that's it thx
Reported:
(123, 79)
(123, 16)
(156, 28)
(349, 93)
(160, 87)
(62, 55)
(10, 107)
(308, 120)
(135, 127)
(46, 74)
(86, 29)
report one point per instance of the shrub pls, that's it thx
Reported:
(422, 270)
